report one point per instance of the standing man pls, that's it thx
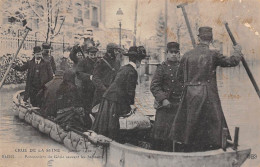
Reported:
(200, 120)
(84, 72)
(167, 92)
(47, 56)
(39, 73)
(105, 71)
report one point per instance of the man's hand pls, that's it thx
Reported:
(237, 48)
(165, 103)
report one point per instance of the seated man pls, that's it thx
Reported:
(68, 104)
(48, 100)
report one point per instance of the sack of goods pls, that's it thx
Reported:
(136, 120)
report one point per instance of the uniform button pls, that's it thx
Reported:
(171, 74)
(170, 69)
(172, 80)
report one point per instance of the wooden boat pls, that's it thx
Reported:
(114, 154)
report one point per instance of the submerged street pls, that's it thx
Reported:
(239, 101)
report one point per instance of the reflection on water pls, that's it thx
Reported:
(239, 101)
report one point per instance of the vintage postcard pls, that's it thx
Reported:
(129, 83)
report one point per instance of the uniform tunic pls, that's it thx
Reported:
(116, 101)
(165, 85)
(200, 119)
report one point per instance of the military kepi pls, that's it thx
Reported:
(205, 33)
(37, 49)
(173, 45)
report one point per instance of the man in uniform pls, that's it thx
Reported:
(200, 120)
(39, 73)
(47, 56)
(104, 72)
(167, 92)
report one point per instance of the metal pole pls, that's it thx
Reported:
(120, 25)
(35, 42)
(12, 61)
(136, 7)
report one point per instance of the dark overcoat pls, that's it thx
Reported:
(50, 58)
(45, 73)
(49, 105)
(84, 70)
(103, 76)
(165, 85)
(200, 119)
(116, 102)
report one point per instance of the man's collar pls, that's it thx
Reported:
(38, 61)
(132, 64)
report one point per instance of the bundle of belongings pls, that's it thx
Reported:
(134, 120)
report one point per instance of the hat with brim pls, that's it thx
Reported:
(112, 46)
(137, 52)
(205, 33)
(46, 46)
(92, 49)
(37, 49)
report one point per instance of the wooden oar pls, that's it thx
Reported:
(250, 75)
(27, 29)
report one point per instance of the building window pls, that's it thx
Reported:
(86, 14)
(94, 14)
(79, 13)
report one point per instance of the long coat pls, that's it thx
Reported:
(50, 58)
(45, 73)
(84, 70)
(103, 76)
(49, 105)
(116, 102)
(200, 119)
(165, 85)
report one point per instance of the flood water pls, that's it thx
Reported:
(240, 103)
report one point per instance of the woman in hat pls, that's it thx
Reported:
(119, 97)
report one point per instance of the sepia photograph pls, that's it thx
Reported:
(129, 83)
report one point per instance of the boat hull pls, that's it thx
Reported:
(120, 155)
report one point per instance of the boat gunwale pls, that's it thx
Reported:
(142, 151)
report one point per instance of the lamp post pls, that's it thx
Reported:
(119, 13)
(35, 35)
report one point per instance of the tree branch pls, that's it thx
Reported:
(35, 12)
(56, 19)
(60, 26)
